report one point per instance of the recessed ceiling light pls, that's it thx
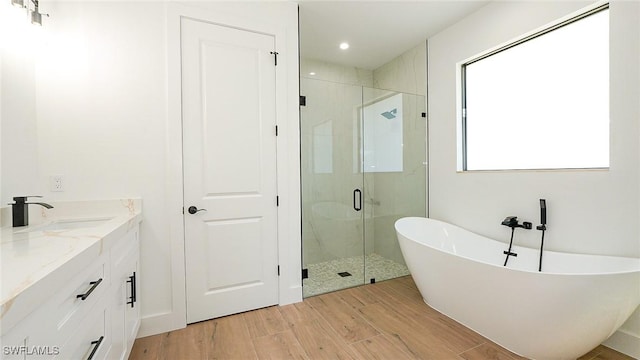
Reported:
(344, 46)
(312, 73)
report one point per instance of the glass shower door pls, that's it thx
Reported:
(363, 167)
(332, 184)
(394, 134)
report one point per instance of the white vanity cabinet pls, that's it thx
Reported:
(51, 330)
(93, 315)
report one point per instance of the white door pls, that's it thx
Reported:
(229, 150)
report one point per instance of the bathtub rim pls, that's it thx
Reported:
(543, 273)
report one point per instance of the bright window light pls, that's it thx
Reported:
(541, 103)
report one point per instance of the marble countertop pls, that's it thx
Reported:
(34, 263)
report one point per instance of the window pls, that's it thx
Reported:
(542, 102)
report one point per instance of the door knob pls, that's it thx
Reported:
(193, 210)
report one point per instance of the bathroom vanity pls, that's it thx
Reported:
(70, 282)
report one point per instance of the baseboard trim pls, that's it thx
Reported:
(159, 323)
(624, 342)
(292, 295)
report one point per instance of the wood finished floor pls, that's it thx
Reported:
(386, 320)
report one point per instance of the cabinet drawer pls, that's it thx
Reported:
(50, 326)
(59, 317)
(91, 340)
(85, 290)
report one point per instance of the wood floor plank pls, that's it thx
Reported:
(265, 321)
(356, 298)
(227, 338)
(403, 335)
(424, 319)
(602, 352)
(320, 341)
(487, 351)
(298, 313)
(282, 345)
(408, 290)
(146, 348)
(380, 347)
(184, 343)
(407, 280)
(345, 321)
(591, 354)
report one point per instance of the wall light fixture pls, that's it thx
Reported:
(36, 15)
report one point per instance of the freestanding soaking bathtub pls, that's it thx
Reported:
(563, 312)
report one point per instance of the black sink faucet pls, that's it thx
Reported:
(20, 210)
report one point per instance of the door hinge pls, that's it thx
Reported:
(303, 100)
(278, 270)
(183, 210)
(275, 57)
(276, 130)
(277, 200)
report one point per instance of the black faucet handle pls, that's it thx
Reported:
(510, 221)
(24, 198)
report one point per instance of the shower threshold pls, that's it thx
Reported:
(325, 276)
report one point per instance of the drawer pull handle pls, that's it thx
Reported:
(132, 281)
(94, 285)
(96, 344)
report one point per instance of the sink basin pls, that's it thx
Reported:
(70, 224)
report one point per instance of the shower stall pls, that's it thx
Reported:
(363, 167)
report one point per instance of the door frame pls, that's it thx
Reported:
(283, 24)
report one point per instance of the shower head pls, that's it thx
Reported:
(543, 211)
(391, 114)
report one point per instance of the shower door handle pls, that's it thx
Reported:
(357, 205)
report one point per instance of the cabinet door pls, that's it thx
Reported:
(117, 317)
(125, 303)
(132, 310)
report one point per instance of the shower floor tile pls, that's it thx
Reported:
(325, 276)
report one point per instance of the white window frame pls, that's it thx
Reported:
(463, 101)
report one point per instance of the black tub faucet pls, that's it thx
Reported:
(20, 209)
(512, 222)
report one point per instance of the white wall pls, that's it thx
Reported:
(18, 126)
(96, 112)
(101, 90)
(592, 212)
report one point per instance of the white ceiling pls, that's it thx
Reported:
(377, 31)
